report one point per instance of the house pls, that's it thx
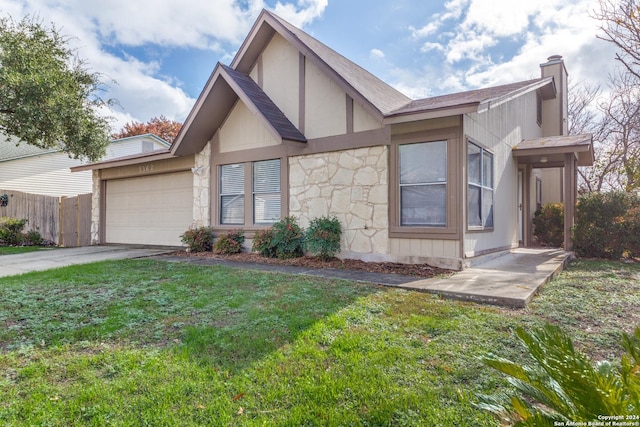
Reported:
(291, 127)
(30, 169)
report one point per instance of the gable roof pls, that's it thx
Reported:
(222, 90)
(355, 80)
(228, 83)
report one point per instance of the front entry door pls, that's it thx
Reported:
(520, 208)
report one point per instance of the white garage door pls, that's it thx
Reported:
(149, 210)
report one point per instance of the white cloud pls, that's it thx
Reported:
(471, 52)
(302, 13)
(376, 53)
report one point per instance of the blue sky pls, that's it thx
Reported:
(160, 53)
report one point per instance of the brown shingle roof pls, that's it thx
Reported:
(471, 97)
(265, 105)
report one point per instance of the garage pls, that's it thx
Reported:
(149, 210)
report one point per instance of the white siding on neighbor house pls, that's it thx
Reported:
(129, 146)
(242, 131)
(280, 76)
(48, 174)
(151, 210)
(325, 105)
(499, 129)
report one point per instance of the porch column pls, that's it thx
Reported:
(570, 197)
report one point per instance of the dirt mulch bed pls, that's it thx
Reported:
(417, 270)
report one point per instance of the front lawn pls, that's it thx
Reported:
(152, 343)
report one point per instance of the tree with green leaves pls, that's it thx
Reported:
(48, 97)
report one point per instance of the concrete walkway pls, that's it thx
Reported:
(510, 280)
(62, 257)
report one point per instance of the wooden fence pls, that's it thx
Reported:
(63, 220)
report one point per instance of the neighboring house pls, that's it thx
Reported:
(30, 169)
(293, 128)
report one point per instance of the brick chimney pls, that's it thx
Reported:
(555, 111)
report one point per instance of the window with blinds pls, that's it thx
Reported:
(266, 191)
(232, 194)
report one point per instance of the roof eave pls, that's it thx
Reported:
(547, 88)
(126, 161)
(430, 114)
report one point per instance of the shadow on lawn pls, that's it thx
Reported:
(266, 312)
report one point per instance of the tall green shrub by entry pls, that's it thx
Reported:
(548, 225)
(323, 236)
(605, 225)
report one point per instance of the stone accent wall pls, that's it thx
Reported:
(353, 186)
(201, 187)
(95, 208)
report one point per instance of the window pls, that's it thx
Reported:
(423, 184)
(232, 194)
(538, 194)
(266, 191)
(480, 189)
(263, 200)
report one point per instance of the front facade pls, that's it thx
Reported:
(291, 128)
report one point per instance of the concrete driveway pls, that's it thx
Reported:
(62, 257)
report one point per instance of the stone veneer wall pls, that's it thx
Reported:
(353, 186)
(201, 187)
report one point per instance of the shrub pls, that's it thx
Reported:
(562, 385)
(33, 238)
(230, 243)
(323, 236)
(262, 243)
(198, 239)
(11, 231)
(603, 224)
(548, 225)
(288, 238)
(284, 240)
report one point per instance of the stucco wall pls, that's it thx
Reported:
(242, 131)
(325, 105)
(280, 74)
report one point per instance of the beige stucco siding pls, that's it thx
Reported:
(325, 105)
(363, 121)
(243, 130)
(498, 130)
(152, 210)
(280, 76)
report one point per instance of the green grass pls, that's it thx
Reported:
(10, 250)
(152, 343)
